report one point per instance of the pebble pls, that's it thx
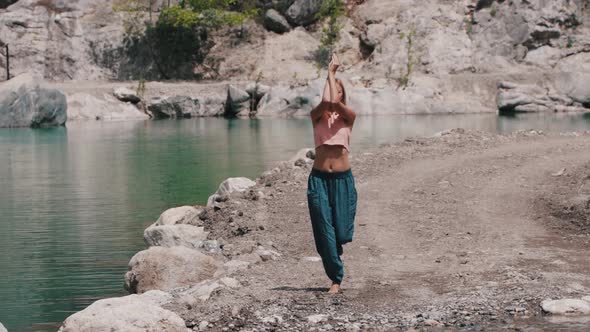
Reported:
(314, 319)
(312, 259)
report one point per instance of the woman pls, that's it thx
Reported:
(331, 194)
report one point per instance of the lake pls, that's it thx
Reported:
(74, 201)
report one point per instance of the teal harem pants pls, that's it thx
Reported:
(331, 197)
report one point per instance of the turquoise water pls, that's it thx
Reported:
(74, 201)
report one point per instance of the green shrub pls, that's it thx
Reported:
(412, 58)
(330, 10)
(181, 36)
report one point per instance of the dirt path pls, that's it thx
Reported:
(449, 233)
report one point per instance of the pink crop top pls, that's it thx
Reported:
(332, 131)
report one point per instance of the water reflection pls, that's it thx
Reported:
(74, 201)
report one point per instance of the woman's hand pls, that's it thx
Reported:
(334, 64)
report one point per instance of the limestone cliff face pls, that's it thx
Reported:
(61, 40)
(484, 36)
(84, 39)
(446, 55)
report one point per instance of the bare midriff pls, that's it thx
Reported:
(331, 158)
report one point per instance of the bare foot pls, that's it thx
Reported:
(334, 289)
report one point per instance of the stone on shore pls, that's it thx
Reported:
(237, 103)
(167, 268)
(2, 328)
(314, 319)
(199, 292)
(229, 186)
(566, 306)
(566, 97)
(175, 235)
(174, 107)
(180, 215)
(133, 313)
(186, 106)
(126, 95)
(575, 85)
(26, 103)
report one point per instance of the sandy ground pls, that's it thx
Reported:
(467, 230)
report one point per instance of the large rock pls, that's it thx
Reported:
(232, 185)
(174, 107)
(180, 215)
(545, 56)
(566, 306)
(26, 103)
(2, 328)
(89, 106)
(575, 85)
(303, 12)
(238, 102)
(579, 62)
(175, 235)
(133, 313)
(229, 186)
(168, 268)
(274, 21)
(513, 97)
(185, 107)
(285, 101)
(126, 95)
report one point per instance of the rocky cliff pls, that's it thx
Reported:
(423, 56)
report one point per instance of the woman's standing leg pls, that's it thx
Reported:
(344, 208)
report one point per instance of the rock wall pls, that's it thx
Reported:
(61, 40)
(398, 56)
(25, 102)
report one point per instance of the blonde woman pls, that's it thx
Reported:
(331, 192)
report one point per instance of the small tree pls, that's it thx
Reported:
(330, 10)
(180, 38)
(412, 58)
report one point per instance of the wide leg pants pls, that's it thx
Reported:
(332, 197)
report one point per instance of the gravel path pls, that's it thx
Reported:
(464, 230)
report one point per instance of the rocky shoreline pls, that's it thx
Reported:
(244, 262)
(400, 57)
(561, 92)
